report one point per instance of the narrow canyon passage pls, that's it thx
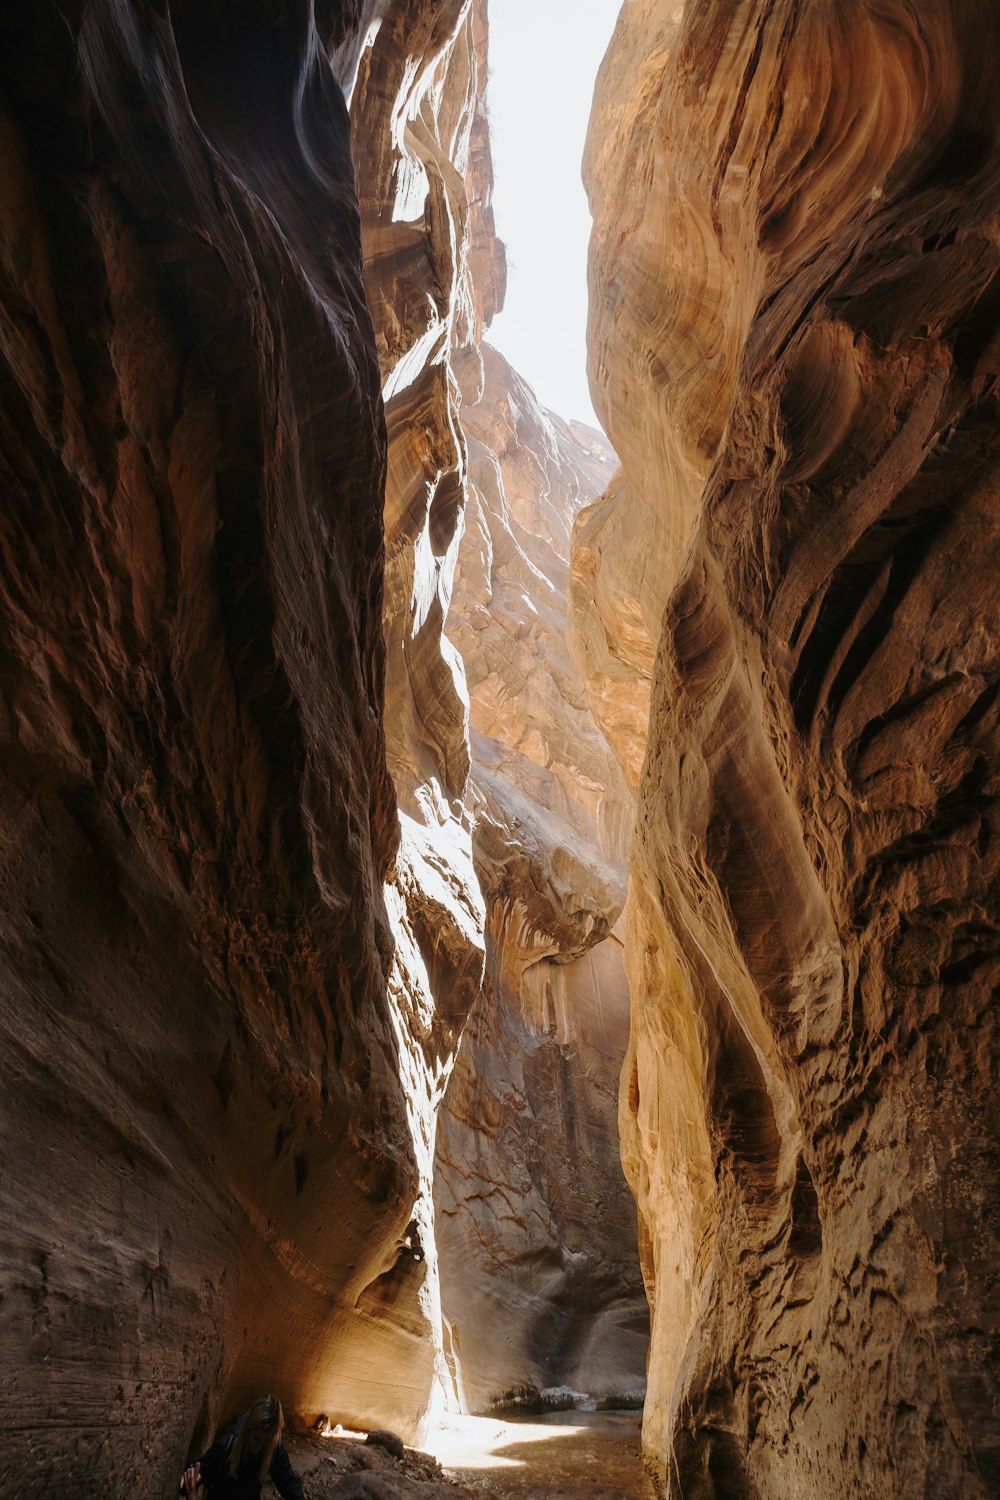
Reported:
(417, 807)
(515, 814)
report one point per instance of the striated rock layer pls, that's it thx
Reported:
(794, 345)
(235, 959)
(540, 1275)
(434, 275)
(220, 1061)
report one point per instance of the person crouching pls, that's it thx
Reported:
(236, 1465)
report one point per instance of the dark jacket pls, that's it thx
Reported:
(246, 1485)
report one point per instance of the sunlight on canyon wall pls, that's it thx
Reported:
(794, 349)
(420, 140)
(243, 926)
(286, 884)
(542, 1286)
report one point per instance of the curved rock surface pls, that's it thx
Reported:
(205, 1144)
(795, 351)
(223, 1051)
(434, 272)
(541, 1281)
(236, 959)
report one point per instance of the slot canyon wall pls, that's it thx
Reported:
(539, 1270)
(794, 349)
(208, 1161)
(536, 1227)
(242, 925)
(435, 273)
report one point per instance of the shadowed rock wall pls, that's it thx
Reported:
(235, 959)
(536, 1229)
(208, 1157)
(794, 345)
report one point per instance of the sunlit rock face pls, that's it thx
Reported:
(435, 273)
(794, 347)
(536, 1228)
(469, 447)
(210, 1159)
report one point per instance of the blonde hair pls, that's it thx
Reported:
(265, 1415)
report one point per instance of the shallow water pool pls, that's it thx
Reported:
(589, 1455)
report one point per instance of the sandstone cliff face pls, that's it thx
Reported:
(209, 1160)
(541, 1283)
(794, 343)
(532, 1294)
(236, 959)
(434, 273)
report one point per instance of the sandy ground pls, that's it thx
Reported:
(569, 1456)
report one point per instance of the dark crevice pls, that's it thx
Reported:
(904, 542)
(806, 1238)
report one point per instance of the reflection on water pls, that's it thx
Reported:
(590, 1455)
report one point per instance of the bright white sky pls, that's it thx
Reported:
(544, 57)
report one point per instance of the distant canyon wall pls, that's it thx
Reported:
(795, 349)
(514, 816)
(536, 1228)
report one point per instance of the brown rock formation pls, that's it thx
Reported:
(435, 275)
(795, 351)
(208, 1158)
(235, 978)
(424, 176)
(540, 1277)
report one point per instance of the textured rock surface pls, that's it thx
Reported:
(467, 441)
(424, 177)
(236, 961)
(209, 1161)
(536, 1230)
(342, 1468)
(794, 341)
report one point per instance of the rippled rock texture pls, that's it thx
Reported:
(210, 1149)
(435, 274)
(540, 1273)
(243, 925)
(794, 343)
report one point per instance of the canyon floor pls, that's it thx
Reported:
(571, 1455)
